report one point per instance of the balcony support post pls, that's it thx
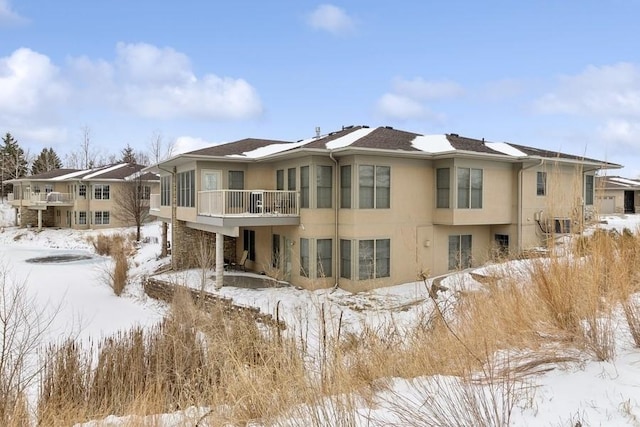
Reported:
(39, 219)
(219, 260)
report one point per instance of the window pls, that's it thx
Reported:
(304, 187)
(324, 254)
(187, 189)
(165, 191)
(280, 179)
(324, 186)
(588, 190)
(375, 187)
(236, 180)
(459, 252)
(291, 179)
(345, 259)
(101, 218)
(304, 257)
(276, 260)
(36, 188)
(443, 187)
(249, 243)
(144, 192)
(469, 188)
(82, 218)
(502, 244)
(541, 183)
(101, 192)
(345, 187)
(48, 188)
(374, 258)
(82, 190)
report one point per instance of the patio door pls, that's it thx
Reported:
(211, 200)
(285, 254)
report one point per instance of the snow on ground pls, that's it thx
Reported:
(597, 393)
(77, 291)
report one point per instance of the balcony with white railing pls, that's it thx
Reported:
(42, 199)
(248, 203)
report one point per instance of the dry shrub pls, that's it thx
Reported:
(120, 273)
(193, 357)
(632, 315)
(112, 243)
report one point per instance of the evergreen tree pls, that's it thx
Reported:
(128, 155)
(14, 162)
(48, 160)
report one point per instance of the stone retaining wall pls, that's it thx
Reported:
(164, 291)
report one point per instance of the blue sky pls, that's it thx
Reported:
(560, 75)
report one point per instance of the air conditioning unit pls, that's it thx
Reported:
(562, 225)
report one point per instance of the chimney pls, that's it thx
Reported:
(317, 131)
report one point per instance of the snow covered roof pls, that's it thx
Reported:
(618, 183)
(387, 139)
(119, 171)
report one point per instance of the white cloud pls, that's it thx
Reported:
(606, 91)
(332, 19)
(159, 83)
(407, 99)
(394, 106)
(421, 89)
(184, 144)
(29, 84)
(619, 131)
(8, 16)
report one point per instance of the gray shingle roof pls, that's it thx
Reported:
(384, 138)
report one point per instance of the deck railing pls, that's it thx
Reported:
(53, 198)
(248, 203)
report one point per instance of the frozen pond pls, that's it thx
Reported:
(74, 286)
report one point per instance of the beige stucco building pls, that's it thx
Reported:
(82, 199)
(616, 194)
(368, 207)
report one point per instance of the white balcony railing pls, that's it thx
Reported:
(248, 203)
(52, 198)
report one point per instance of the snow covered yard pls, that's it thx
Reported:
(587, 391)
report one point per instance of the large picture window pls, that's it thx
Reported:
(101, 218)
(374, 187)
(374, 259)
(588, 190)
(291, 179)
(469, 188)
(249, 243)
(236, 180)
(165, 191)
(280, 179)
(345, 259)
(443, 187)
(324, 186)
(304, 257)
(459, 251)
(541, 183)
(325, 260)
(304, 187)
(187, 189)
(345, 187)
(101, 192)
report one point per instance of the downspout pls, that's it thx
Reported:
(335, 221)
(520, 202)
